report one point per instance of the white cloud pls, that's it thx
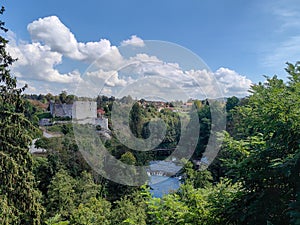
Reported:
(110, 72)
(37, 62)
(109, 78)
(105, 55)
(30, 88)
(51, 32)
(200, 82)
(232, 82)
(115, 81)
(134, 41)
(155, 77)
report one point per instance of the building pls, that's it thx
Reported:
(78, 110)
(101, 120)
(84, 111)
(187, 105)
(61, 110)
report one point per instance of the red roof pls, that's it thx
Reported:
(100, 111)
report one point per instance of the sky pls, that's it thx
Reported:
(204, 48)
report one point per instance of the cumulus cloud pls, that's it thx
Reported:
(36, 62)
(110, 71)
(134, 41)
(146, 75)
(102, 53)
(202, 83)
(53, 33)
(109, 78)
(232, 82)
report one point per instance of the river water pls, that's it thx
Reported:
(160, 184)
(163, 185)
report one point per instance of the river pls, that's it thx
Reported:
(161, 181)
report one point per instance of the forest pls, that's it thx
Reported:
(255, 178)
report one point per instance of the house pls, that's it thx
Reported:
(187, 105)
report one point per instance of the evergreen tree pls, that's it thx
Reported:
(18, 197)
(61, 195)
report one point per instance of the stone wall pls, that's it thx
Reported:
(83, 110)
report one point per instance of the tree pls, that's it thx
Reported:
(197, 178)
(267, 152)
(17, 192)
(7, 215)
(231, 103)
(42, 173)
(63, 97)
(56, 220)
(136, 120)
(86, 188)
(61, 195)
(131, 209)
(93, 212)
(128, 158)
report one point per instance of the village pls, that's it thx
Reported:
(87, 112)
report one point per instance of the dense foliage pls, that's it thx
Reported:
(19, 200)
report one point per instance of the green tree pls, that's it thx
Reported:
(266, 150)
(18, 195)
(61, 195)
(131, 209)
(56, 220)
(136, 119)
(62, 97)
(93, 212)
(43, 173)
(169, 210)
(128, 158)
(197, 178)
(231, 103)
(204, 115)
(7, 215)
(86, 188)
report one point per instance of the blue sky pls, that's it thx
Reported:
(244, 38)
